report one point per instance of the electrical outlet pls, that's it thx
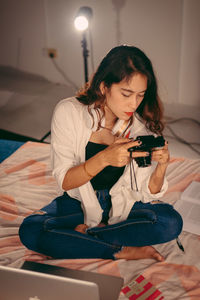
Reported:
(52, 52)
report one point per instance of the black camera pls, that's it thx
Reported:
(149, 143)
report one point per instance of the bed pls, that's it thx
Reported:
(26, 184)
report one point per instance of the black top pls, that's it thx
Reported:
(109, 175)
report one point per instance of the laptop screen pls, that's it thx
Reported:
(109, 286)
(19, 284)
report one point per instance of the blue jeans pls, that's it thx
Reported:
(50, 231)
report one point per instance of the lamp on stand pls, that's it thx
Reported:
(82, 23)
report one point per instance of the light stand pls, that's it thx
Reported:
(85, 56)
(82, 22)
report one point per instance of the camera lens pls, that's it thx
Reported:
(143, 161)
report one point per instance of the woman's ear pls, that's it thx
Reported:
(102, 88)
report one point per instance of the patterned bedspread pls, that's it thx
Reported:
(26, 184)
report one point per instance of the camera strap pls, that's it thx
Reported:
(132, 172)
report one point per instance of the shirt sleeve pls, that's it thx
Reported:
(143, 176)
(62, 141)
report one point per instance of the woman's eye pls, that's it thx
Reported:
(125, 95)
(141, 96)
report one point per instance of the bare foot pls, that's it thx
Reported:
(129, 253)
(81, 228)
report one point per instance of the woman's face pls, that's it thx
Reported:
(123, 98)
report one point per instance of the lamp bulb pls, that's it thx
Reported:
(81, 23)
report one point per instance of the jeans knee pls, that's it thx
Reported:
(175, 224)
(179, 223)
(29, 232)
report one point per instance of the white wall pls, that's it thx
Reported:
(167, 30)
(189, 84)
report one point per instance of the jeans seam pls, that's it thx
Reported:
(120, 226)
(114, 247)
(124, 225)
(51, 218)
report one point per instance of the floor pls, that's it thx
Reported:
(27, 102)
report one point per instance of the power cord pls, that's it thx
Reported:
(45, 136)
(67, 79)
(183, 119)
(52, 57)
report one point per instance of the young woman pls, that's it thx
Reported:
(101, 213)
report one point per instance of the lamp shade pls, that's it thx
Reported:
(83, 18)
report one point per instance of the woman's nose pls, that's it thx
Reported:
(133, 103)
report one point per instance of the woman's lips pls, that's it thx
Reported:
(129, 113)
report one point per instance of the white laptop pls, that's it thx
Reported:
(18, 284)
(37, 281)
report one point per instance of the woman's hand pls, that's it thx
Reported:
(161, 155)
(157, 177)
(117, 154)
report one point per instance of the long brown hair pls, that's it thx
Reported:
(121, 63)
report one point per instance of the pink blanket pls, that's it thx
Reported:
(26, 184)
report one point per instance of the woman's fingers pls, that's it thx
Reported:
(161, 156)
(136, 152)
(121, 153)
(122, 141)
(132, 143)
(118, 155)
